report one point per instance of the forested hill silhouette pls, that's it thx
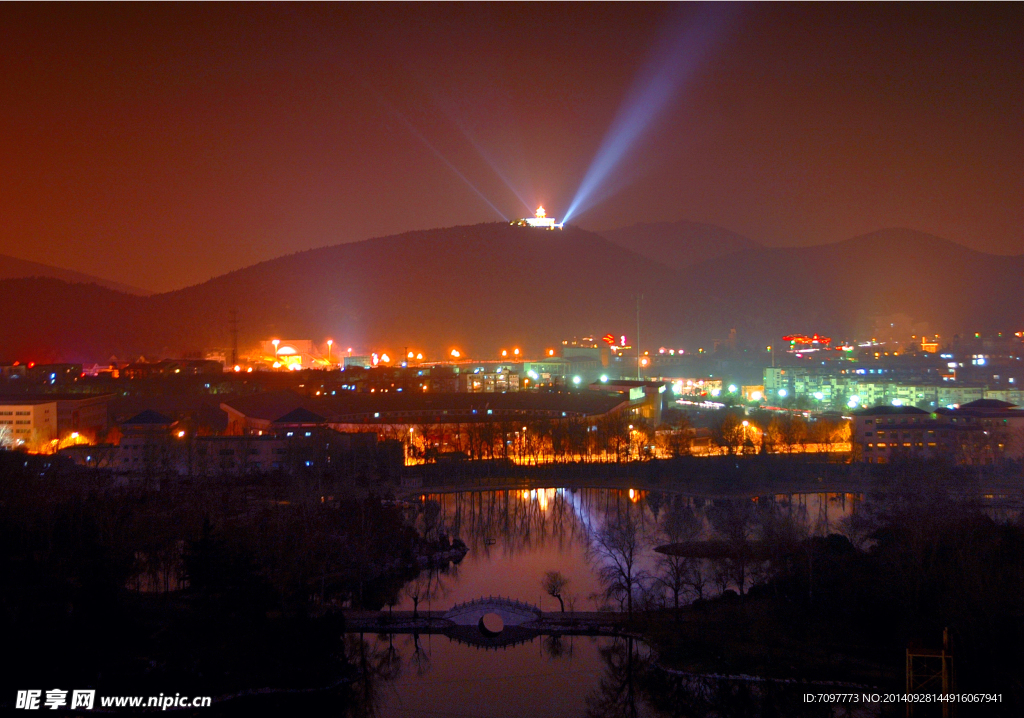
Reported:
(14, 268)
(843, 287)
(681, 244)
(475, 287)
(488, 286)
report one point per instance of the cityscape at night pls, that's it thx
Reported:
(500, 360)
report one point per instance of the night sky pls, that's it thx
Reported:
(161, 145)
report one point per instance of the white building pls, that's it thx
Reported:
(540, 220)
(27, 422)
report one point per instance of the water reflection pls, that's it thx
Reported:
(516, 536)
(564, 676)
(550, 675)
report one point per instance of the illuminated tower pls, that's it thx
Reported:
(540, 220)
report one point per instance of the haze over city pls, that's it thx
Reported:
(192, 141)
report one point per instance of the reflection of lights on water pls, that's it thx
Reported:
(542, 498)
(632, 495)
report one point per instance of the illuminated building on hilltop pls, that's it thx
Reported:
(541, 220)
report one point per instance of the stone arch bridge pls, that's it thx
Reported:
(511, 611)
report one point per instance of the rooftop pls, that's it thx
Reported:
(885, 410)
(274, 406)
(149, 417)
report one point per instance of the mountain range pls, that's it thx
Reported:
(483, 287)
(14, 268)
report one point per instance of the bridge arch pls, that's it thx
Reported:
(511, 611)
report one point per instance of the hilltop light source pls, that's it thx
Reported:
(456, 353)
(539, 220)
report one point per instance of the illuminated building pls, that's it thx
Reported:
(541, 220)
(978, 432)
(488, 382)
(34, 418)
(645, 397)
(27, 422)
(291, 354)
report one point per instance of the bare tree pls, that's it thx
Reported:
(616, 551)
(675, 439)
(735, 521)
(728, 434)
(426, 586)
(554, 584)
(676, 573)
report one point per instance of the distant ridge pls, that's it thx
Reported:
(844, 286)
(14, 268)
(488, 286)
(681, 244)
